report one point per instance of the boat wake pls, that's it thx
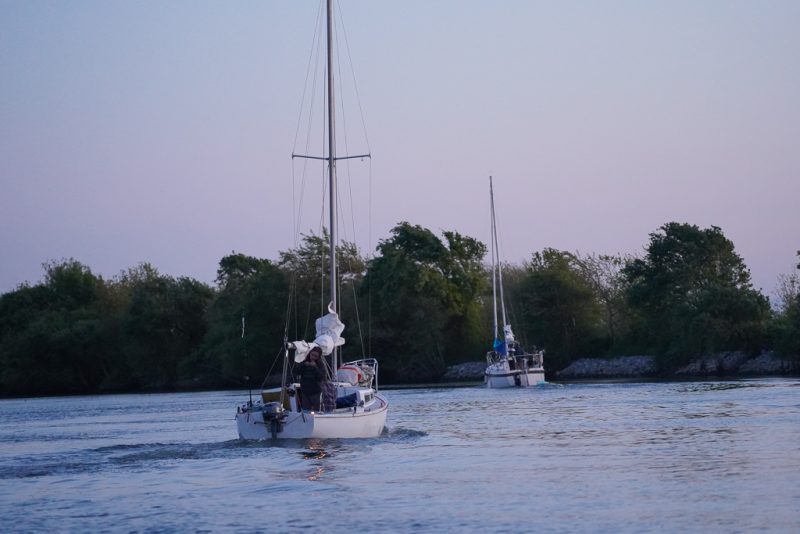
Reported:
(128, 456)
(403, 434)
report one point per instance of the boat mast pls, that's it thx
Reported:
(331, 159)
(494, 265)
(332, 170)
(499, 266)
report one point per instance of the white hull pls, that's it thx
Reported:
(512, 379)
(359, 422)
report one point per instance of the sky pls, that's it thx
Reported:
(162, 132)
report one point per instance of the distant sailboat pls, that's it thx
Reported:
(355, 408)
(508, 365)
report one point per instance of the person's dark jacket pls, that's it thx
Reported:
(310, 377)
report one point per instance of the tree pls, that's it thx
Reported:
(785, 326)
(257, 290)
(788, 290)
(57, 336)
(425, 300)
(307, 269)
(560, 308)
(163, 324)
(692, 295)
(603, 273)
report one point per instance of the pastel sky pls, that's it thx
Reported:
(161, 131)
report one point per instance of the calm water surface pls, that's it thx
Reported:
(603, 457)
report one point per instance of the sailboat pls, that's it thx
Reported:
(351, 405)
(508, 365)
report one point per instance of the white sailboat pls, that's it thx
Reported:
(359, 410)
(508, 365)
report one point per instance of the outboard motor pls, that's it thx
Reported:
(273, 415)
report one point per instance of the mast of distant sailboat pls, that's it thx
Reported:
(497, 272)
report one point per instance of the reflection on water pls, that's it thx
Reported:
(698, 456)
(316, 451)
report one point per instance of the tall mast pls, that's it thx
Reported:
(494, 264)
(499, 265)
(332, 166)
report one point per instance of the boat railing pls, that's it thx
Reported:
(370, 366)
(534, 359)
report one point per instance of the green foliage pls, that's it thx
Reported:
(256, 289)
(76, 333)
(603, 275)
(429, 298)
(692, 296)
(54, 336)
(308, 268)
(426, 311)
(785, 326)
(163, 324)
(561, 311)
(787, 334)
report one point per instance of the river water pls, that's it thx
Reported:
(580, 457)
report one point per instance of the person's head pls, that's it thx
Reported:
(315, 355)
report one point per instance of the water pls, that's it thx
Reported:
(602, 457)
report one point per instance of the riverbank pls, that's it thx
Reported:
(734, 364)
(728, 364)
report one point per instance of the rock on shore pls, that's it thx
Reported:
(736, 363)
(725, 363)
(621, 367)
(465, 372)
(767, 363)
(721, 364)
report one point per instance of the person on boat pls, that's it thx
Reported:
(311, 375)
(328, 395)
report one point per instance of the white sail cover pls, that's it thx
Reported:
(509, 334)
(329, 330)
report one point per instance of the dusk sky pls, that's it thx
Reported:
(163, 131)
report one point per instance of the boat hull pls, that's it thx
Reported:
(345, 423)
(511, 379)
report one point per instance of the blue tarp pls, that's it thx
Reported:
(348, 401)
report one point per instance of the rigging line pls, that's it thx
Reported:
(294, 239)
(297, 210)
(494, 265)
(351, 266)
(358, 321)
(308, 70)
(343, 116)
(500, 278)
(353, 73)
(274, 361)
(369, 262)
(308, 317)
(322, 259)
(321, 226)
(297, 217)
(309, 130)
(292, 294)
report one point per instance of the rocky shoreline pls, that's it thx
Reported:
(727, 364)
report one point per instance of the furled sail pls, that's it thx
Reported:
(329, 336)
(509, 334)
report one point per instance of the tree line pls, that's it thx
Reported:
(423, 302)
